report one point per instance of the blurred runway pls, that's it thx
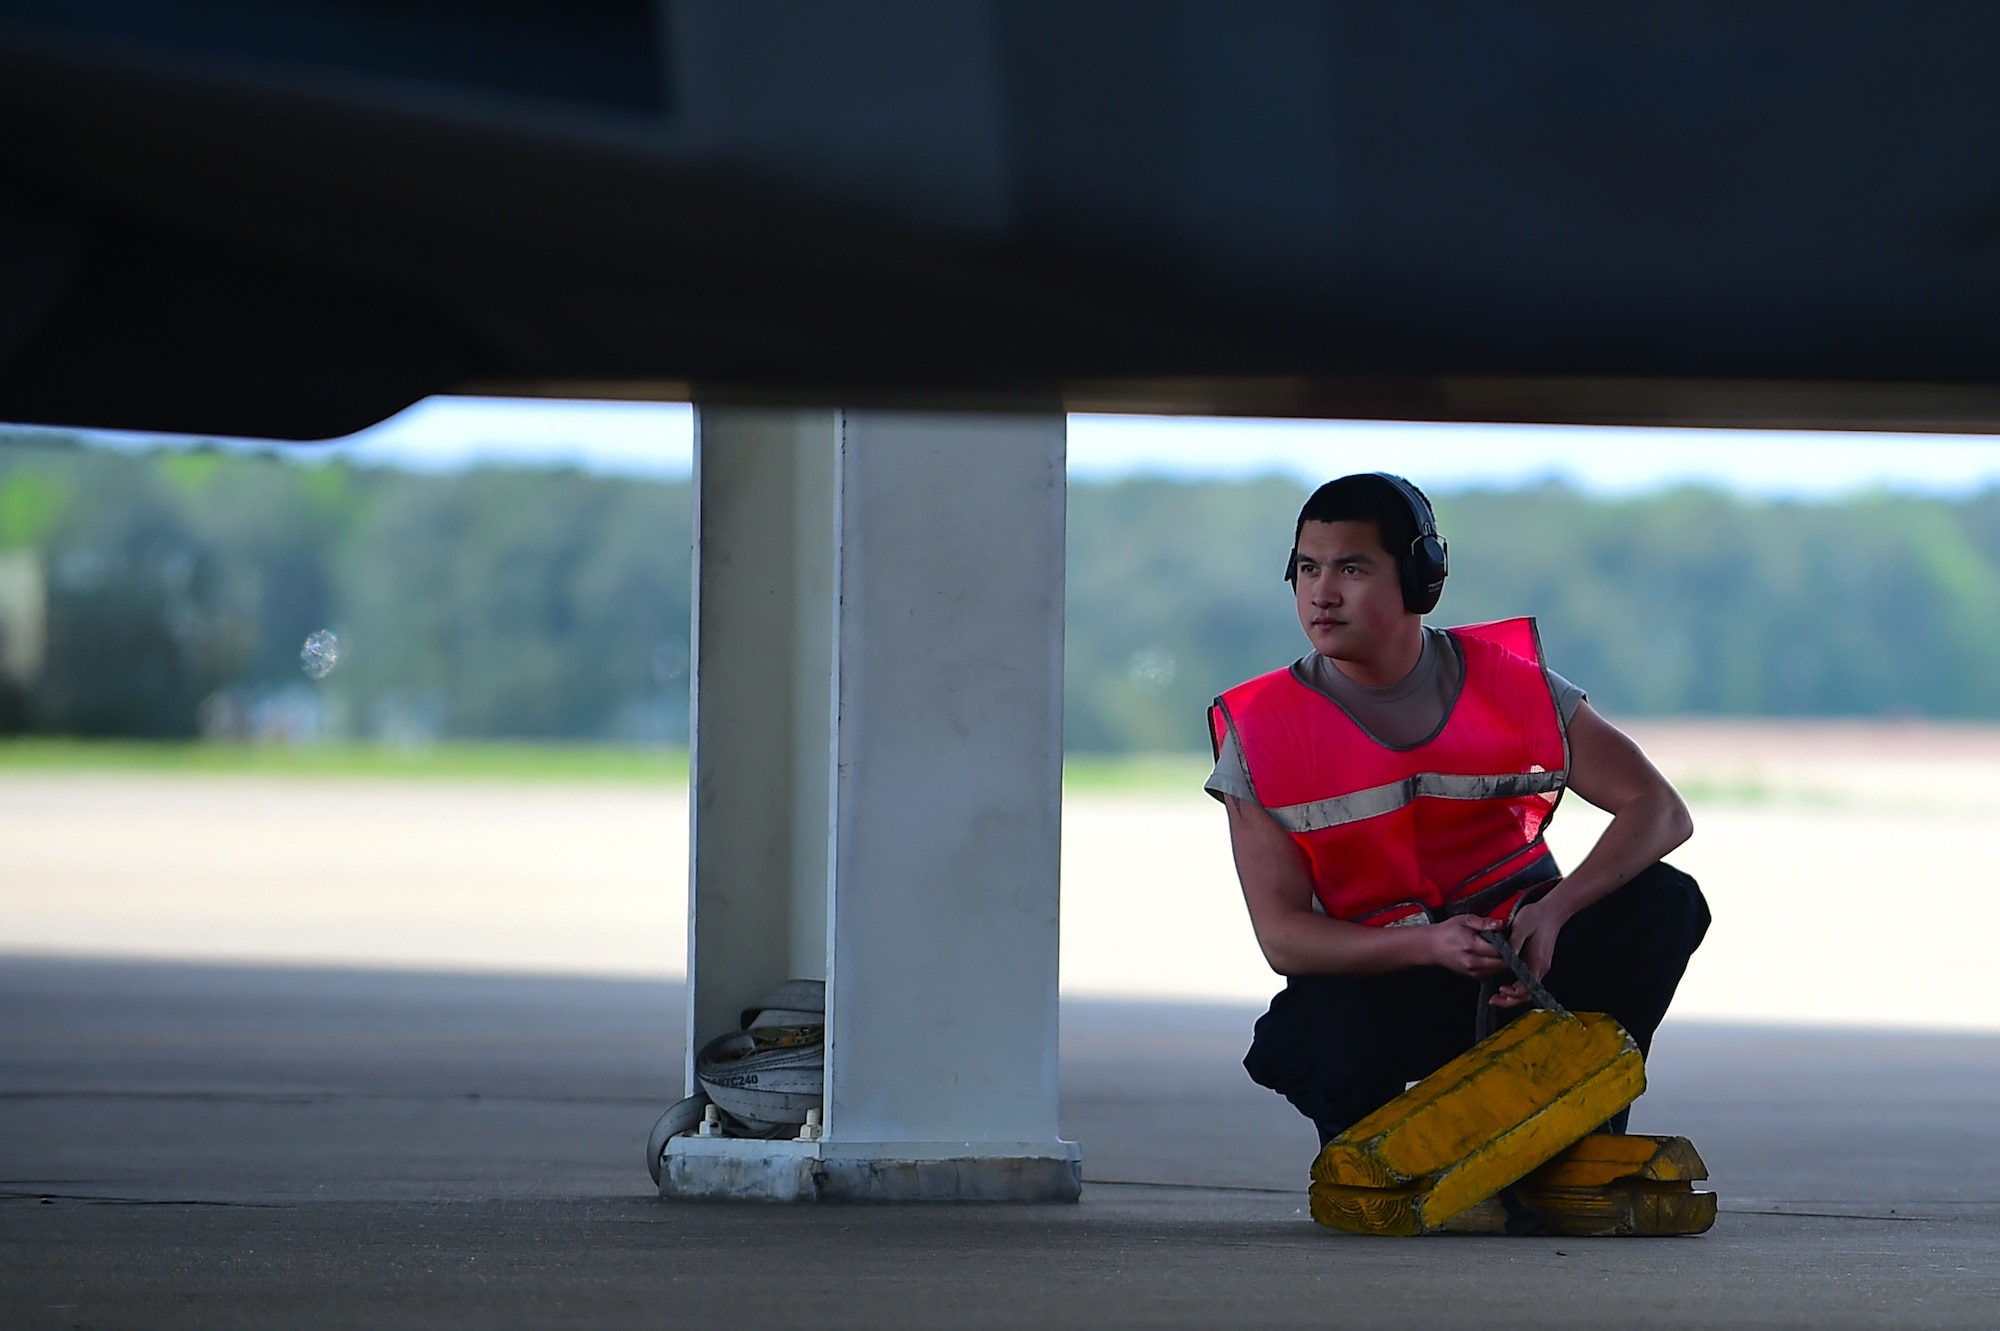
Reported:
(1839, 860)
(211, 1146)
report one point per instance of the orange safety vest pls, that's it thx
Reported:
(1397, 836)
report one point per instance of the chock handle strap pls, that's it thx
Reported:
(1543, 998)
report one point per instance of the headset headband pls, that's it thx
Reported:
(1420, 507)
(1423, 567)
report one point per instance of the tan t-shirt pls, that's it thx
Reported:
(1401, 715)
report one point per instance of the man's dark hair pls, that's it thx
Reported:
(1364, 497)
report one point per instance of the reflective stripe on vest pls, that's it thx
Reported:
(1389, 831)
(1377, 800)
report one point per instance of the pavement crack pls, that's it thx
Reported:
(1192, 1187)
(98, 1199)
(1830, 1215)
(322, 1097)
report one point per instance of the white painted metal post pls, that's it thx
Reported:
(766, 547)
(877, 785)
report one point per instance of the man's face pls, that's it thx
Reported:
(1350, 601)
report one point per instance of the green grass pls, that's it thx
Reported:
(1752, 790)
(456, 761)
(1139, 774)
(1136, 773)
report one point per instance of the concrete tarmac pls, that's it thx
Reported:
(199, 1146)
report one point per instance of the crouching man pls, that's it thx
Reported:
(1387, 795)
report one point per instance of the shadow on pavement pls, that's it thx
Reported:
(215, 1146)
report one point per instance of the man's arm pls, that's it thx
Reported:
(1277, 887)
(1648, 819)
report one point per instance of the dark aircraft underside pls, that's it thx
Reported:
(291, 218)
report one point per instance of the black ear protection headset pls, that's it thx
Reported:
(1423, 567)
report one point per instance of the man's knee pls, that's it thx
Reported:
(1626, 953)
(1661, 912)
(1337, 1047)
(1675, 912)
(1311, 1048)
(1312, 1025)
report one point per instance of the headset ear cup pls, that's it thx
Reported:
(1423, 571)
(1433, 560)
(1422, 567)
(1415, 593)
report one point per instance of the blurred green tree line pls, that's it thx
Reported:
(176, 588)
(179, 588)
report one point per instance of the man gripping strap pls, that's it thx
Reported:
(1403, 776)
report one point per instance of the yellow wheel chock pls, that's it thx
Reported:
(1515, 1112)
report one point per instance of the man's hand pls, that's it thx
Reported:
(1536, 926)
(1454, 943)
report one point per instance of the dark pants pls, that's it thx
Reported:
(1340, 1046)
